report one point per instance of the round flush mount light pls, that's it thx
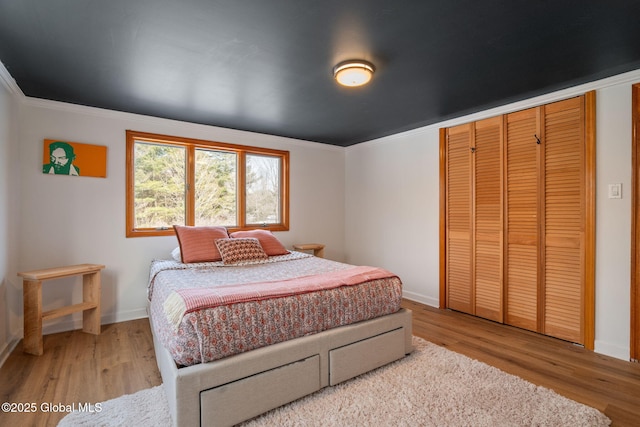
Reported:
(353, 73)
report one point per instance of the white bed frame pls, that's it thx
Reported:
(234, 389)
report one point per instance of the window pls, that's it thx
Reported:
(172, 180)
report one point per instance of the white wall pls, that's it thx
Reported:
(9, 169)
(70, 220)
(392, 211)
(613, 220)
(392, 206)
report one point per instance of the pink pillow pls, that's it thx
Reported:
(197, 244)
(234, 251)
(268, 241)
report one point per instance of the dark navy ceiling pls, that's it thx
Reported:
(266, 65)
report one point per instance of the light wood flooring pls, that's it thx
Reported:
(78, 368)
(605, 383)
(82, 368)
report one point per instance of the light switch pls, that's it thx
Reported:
(615, 191)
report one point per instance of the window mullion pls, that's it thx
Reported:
(242, 190)
(190, 189)
(284, 190)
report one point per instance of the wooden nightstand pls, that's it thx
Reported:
(32, 292)
(317, 248)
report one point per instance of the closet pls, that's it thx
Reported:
(517, 212)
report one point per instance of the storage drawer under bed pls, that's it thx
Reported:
(355, 359)
(246, 398)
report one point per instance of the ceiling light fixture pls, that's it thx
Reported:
(353, 73)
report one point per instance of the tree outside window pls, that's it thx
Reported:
(183, 181)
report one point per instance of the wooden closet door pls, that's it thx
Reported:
(521, 225)
(564, 218)
(487, 218)
(517, 222)
(459, 291)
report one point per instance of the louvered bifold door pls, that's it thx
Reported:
(459, 292)
(487, 218)
(521, 225)
(564, 239)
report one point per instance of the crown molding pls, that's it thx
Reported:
(9, 82)
(228, 134)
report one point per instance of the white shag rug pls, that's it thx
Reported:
(431, 387)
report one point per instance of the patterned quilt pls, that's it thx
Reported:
(214, 331)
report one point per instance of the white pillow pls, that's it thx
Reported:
(175, 254)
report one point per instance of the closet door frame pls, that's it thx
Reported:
(589, 312)
(635, 225)
(443, 218)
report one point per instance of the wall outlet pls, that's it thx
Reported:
(615, 191)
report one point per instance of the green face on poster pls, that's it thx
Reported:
(61, 157)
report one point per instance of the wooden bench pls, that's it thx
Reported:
(32, 292)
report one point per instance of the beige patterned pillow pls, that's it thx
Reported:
(237, 250)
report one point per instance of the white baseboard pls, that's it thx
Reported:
(8, 348)
(105, 319)
(612, 350)
(423, 299)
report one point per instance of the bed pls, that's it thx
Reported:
(236, 339)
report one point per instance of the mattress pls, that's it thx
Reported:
(206, 332)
